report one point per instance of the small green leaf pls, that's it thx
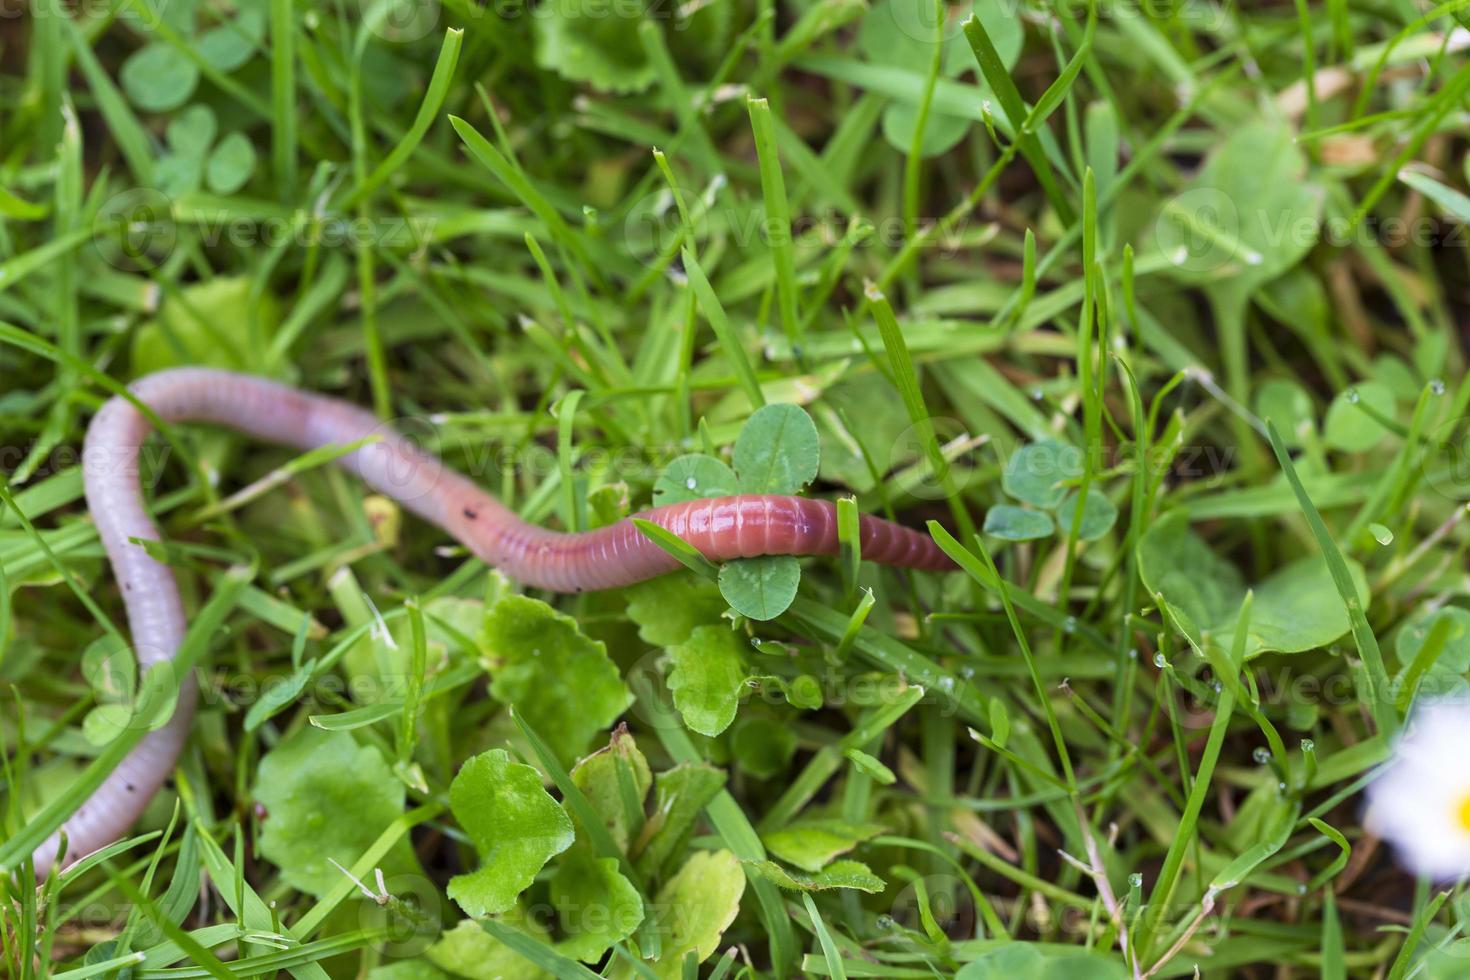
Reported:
(760, 588)
(695, 907)
(1296, 608)
(192, 131)
(1098, 514)
(679, 796)
(562, 682)
(1456, 652)
(1027, 961)
(231, 164)
(598, 906)
(515, 825)
(694, 477)
(158, 78)
(668, 608)
(812, 844)
(615, 780)
(1348, 427)
(230, 45)
(326, 798)
(470, 952)
(870, 766)
(763, 746)
(707, 678)
(1011, 523)
(597, 44)
(1288, 405)
(838, 874)
(1039, 472)
(205, 326)
(778, 450)
(1000, 722)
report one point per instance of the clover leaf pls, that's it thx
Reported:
(1011, 523)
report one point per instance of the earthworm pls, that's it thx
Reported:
(619, 554)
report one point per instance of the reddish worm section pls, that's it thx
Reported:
(721, 528)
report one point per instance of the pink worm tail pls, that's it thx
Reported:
(722, 528)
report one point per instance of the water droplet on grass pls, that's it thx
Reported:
(1436, 385)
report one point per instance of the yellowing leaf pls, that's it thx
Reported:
(470, 952)
(515, 825)
(839, 874)
(615, 780)
(810, 844)
(695, 907)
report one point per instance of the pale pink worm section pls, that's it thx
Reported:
(721, 528)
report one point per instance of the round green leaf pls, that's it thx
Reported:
(1348, 427)
(760, 588)
(1456, 653)
(707, 678)
(1098, 514)
(177, 175)
(157, 78)
(1286, 405)
(327, 798)
(1011, 523)
(1038, 473)
(230, 45)
(694, 477)
(231, 164)
(778, 450)
(942, 133)
(762, 746)
(191, 131)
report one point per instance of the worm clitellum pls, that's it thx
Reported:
(722, 528)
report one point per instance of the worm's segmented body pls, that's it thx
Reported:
(617, 555)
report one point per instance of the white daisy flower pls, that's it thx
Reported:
(1421, 802)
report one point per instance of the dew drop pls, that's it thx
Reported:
(1353, 397)
(1161, 661)
(1069, 625)
(1308, 745)
(1037, 394)
(1436, 385)
(885, 922)
(1135, 880)
(691, 483)
(1261, 754)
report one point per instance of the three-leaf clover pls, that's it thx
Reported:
(1043, 474)
(194, 158)
(777, 451)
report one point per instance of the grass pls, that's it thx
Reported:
(1217, 255)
